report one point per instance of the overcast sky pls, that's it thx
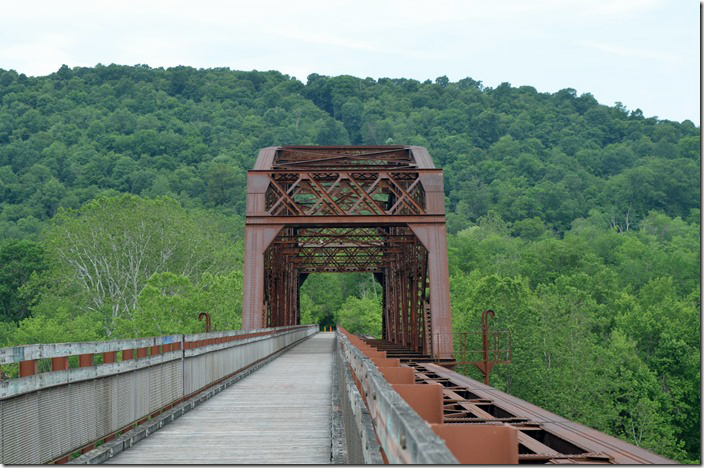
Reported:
(643, 53)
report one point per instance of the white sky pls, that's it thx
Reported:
(643, 53)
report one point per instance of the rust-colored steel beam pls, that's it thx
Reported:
(341, 209)
(468, 405)
(495, 347)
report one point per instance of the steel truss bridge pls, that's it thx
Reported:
(350, 209)
(281, 392)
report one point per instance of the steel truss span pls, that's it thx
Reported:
(346, 209)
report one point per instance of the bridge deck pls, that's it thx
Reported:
(279, 414)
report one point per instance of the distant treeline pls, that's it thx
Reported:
(122, 194)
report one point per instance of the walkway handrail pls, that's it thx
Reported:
(47, 416)
(404, 436)
(18, 354)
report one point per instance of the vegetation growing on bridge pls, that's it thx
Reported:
(577, 222)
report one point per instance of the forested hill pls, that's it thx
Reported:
(191, 134)
(122, 194)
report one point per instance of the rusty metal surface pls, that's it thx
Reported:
(345, 221)
(437, 313)
(495, 443)
(342, 156)
(257, 239)
(480, 445)
(344, 192)
(349, 209)
(483, 349)
(544, 437)
(403, 435)
(206, 316)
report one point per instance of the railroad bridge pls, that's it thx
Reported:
(283, 392)
(350, 209)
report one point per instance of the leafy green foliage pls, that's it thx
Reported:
(104, 255)
(361, 315)
(323, 295)
(170, 304)
(19, 259)
(605, 326)
(122, 191)
(191, 134)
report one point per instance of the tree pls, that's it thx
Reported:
(106, 252)
(224, 184)
(530, 229)
(19, 259)
(332, 132)
(361, 315)
(577, 222)
(58, 326)
(164, 307)
(351, 115)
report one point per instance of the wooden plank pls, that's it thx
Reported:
(280, 414)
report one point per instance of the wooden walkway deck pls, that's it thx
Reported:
(280, 414)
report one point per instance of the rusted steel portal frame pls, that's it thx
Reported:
(495, 347)
(395, 256)
(380, 210)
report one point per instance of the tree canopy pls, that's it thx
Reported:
(192, 133)
(122, 196)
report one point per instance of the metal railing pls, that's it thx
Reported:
(373, 410)
(469, 347)
(45, 417)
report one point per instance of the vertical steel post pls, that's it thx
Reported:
(85, 360)
(485, 343)
(59, 363)
(28, 368)
(434, 238)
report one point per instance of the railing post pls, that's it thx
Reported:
(28, 368)
(85, 360)
(109, 357)
(59, 363)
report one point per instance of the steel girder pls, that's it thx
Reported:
(349, 209)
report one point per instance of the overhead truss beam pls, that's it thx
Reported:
(378, 210)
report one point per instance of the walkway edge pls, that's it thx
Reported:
(128, 439)
(338, 449)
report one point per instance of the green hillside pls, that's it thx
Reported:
(122, 194)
